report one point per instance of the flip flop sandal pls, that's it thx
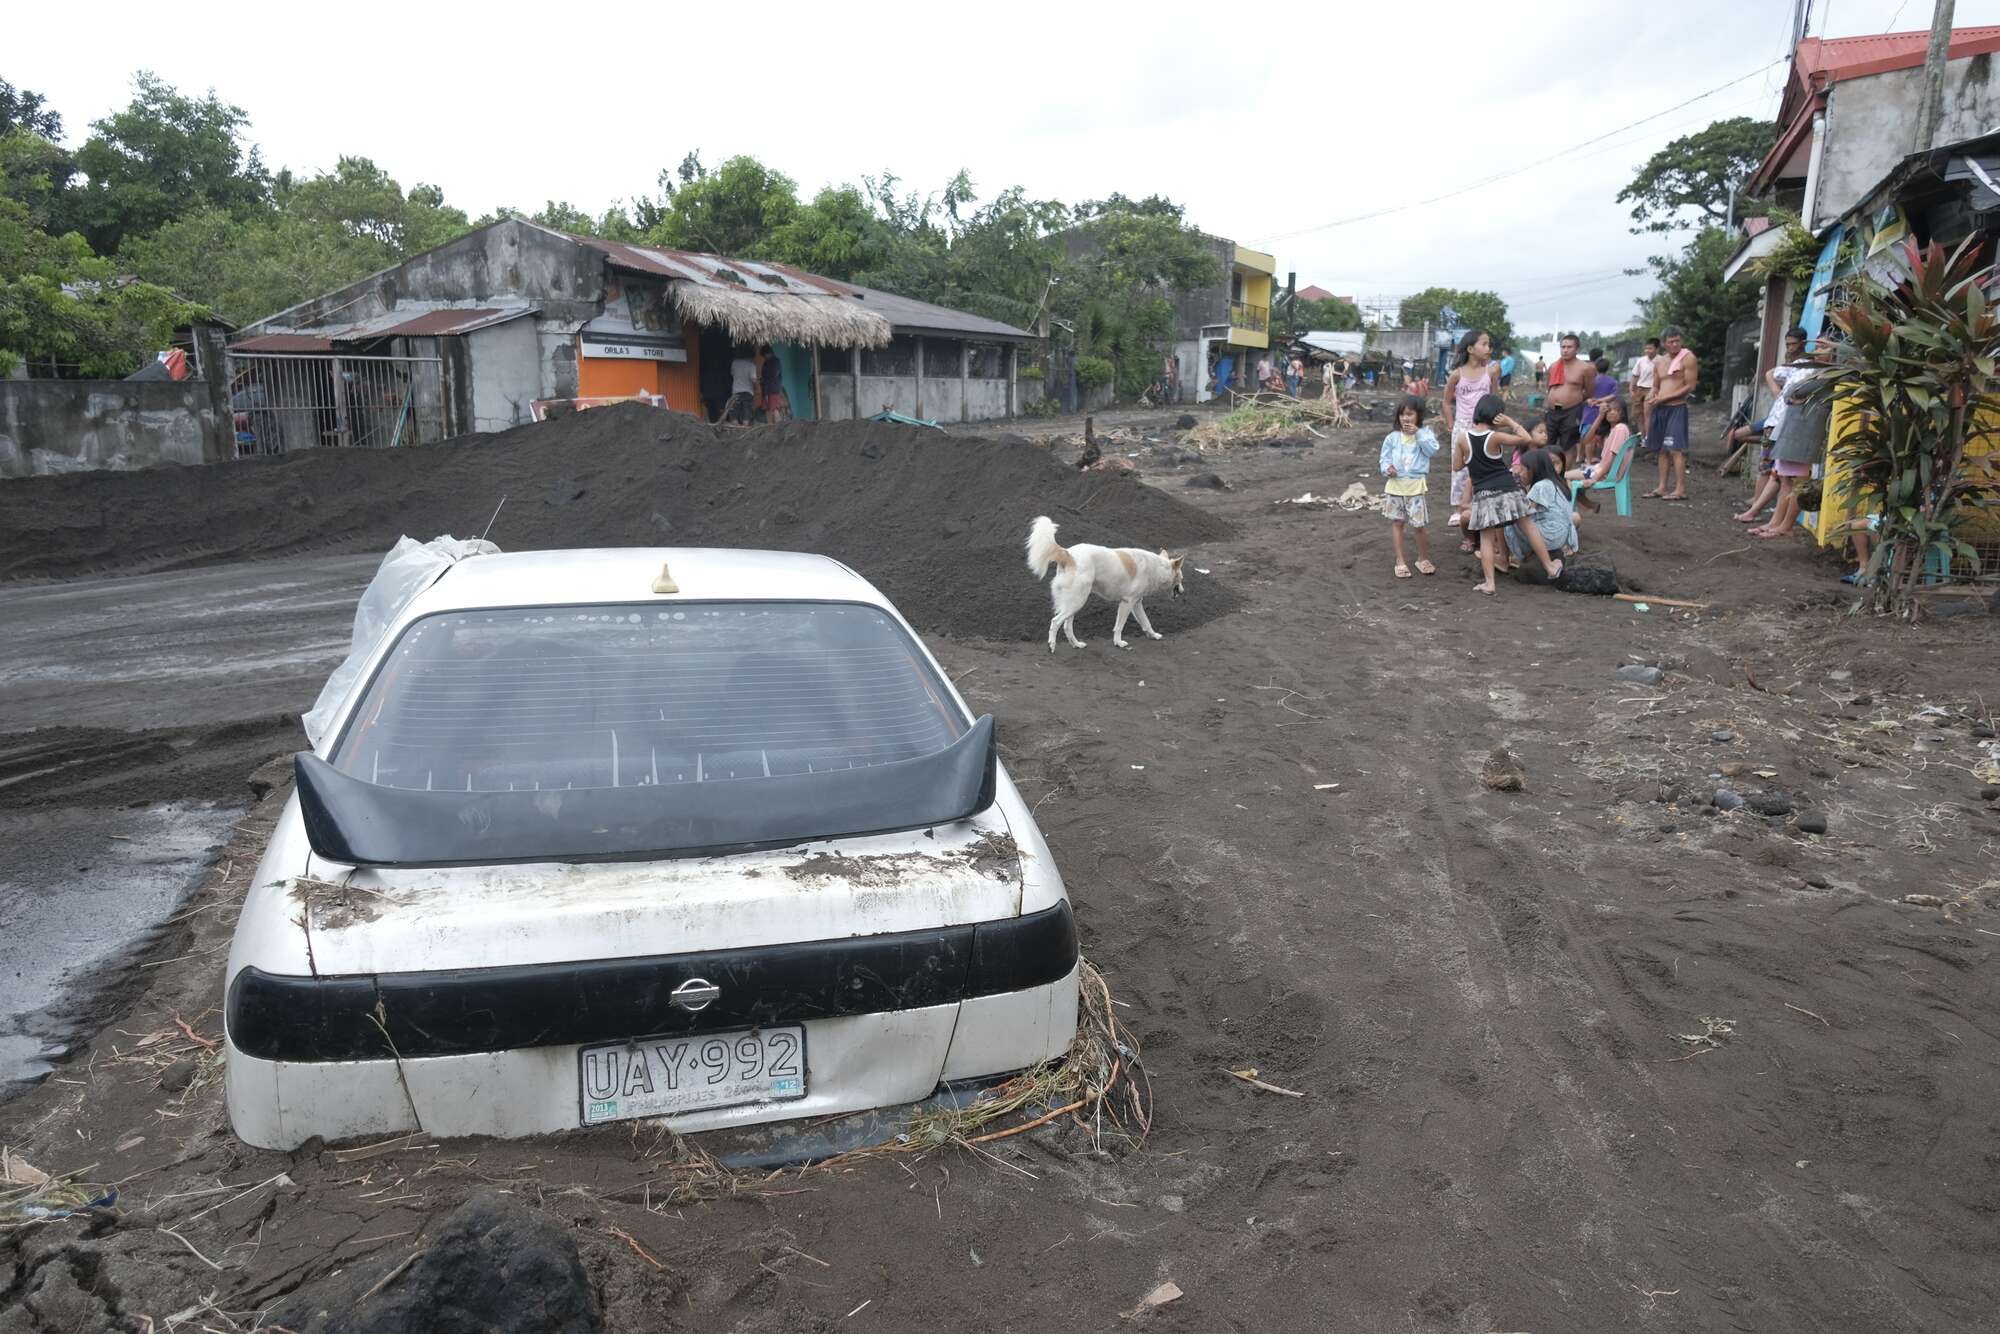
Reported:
(1402, 571)
(1425, 567)
(1482, 588)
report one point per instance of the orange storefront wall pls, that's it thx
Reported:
(615, 377)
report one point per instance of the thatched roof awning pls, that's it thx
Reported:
(787, 317)
(751, 300)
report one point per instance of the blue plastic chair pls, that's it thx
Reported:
(1618, 481)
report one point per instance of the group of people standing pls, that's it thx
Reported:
(756, 388)
(1515, 489)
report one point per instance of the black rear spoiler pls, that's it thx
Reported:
(360, 823)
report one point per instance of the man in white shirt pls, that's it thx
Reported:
(1644, 372)
(742, 386)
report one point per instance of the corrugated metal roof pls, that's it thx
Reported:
(435, 322)
(1852, 57)
(284, 342)
(438, 323)
(689, 266)
(1818, 63)
(907, 313)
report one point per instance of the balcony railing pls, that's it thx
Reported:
(1243, 315)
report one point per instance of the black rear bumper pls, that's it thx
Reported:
(452, 1013)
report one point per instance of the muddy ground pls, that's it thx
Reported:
(1593, 1054)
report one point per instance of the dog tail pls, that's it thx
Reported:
(1042, 548)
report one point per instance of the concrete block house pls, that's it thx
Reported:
(513, 319)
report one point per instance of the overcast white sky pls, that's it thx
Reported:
(1262, 126)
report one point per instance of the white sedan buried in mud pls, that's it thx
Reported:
(574, 850)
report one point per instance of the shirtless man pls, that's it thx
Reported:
(1667, 430)
(1570, 382)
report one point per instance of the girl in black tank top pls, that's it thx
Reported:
(1497, 499)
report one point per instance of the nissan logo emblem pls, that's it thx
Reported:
(697, 993)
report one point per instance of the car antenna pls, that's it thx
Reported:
(496, 515)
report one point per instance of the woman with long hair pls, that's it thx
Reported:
(1472, 378)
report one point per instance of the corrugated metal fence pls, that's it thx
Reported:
(287, 402)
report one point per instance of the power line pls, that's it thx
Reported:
(1526, 167)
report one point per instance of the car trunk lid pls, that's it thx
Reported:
(411, 919)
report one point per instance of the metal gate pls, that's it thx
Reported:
(284, 402)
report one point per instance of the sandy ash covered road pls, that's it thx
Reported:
(131, 712)
(1590, 1055)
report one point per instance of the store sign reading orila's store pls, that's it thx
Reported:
(634, 351)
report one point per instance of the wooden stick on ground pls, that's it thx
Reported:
(1250, 1077)
(1658, 602)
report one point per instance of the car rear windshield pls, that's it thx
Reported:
(614, 695)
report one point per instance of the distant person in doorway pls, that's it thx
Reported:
(1295, 375)
(714, 382)
(776, 408)
(742, 388)
(1170, 377)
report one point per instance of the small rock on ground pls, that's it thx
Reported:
(1502, 772)
(1726, 799)
(1645, 676)
(1769, 803)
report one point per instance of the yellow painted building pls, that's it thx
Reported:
(1252, 274)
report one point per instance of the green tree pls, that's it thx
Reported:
(1117, 291)
(837, 234)
(1331, 315)
(564, 217)
(731, 210)
(1694, 173)
(1476, 310)
(322, 233)
(35, 172)
(23, 110)
(361, 202)
(162, 156)
(1693, 295)
(61, 304)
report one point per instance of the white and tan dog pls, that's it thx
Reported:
(1124, 575)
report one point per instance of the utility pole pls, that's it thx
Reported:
(1800, 12)
(1934, 62)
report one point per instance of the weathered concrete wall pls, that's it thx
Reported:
(72, 425)
(1399, 343)
(985, 400)
(837, 396)
(1869, 122)
(943, 400)
(506, 367)
(509, 262)
(876, 392)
